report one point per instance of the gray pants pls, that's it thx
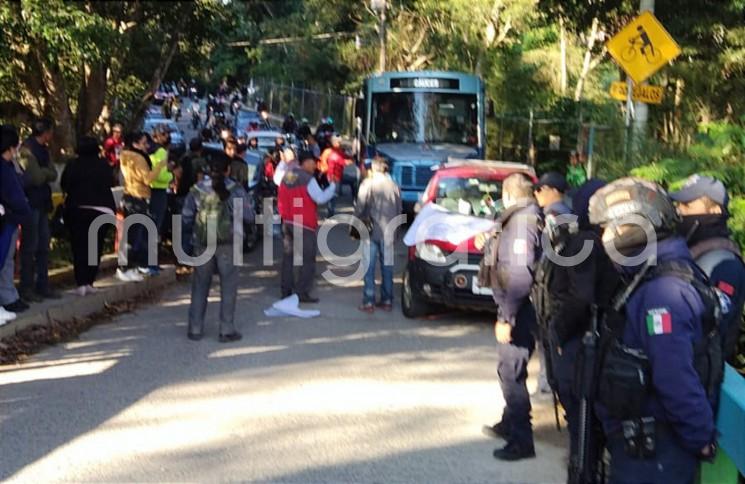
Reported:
(290, 246)
(222, 263)
(8, 292)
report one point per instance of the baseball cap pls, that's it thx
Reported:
(552, 179)
(697, 186)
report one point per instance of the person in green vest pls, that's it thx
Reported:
(159, 186)
(576, 175)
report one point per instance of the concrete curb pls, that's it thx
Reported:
(72, 307)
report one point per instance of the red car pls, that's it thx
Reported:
(467, 187)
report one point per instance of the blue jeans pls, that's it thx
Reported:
(35, 252)
(158, 207)
(8, 292)
(331, 205)
(374, 252)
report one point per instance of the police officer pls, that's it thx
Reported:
(654, 406)
(512, 254)
(297, 202)
(549, 194)
(702, 204)
(564, 290)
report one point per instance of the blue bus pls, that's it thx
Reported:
(416, 120)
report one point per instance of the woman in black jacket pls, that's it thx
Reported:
(87, 183)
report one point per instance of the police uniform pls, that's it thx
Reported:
(659, 417)
(713, 249)
(563, 295)
(512, 276)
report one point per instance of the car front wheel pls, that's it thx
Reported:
(412, 304)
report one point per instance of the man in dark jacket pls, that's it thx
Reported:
(15, 211)
(515, 251)
(657, 414)
(39, 172)
(702, 204)
(549, 194)
(562, 295)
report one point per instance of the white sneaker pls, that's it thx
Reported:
(81, 291)
(129, 276)
(122, 275)
(90, 289)
(6, 315)
(135, 276)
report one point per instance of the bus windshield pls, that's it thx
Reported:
(424, 117)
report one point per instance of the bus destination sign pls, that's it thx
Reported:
(424, 83)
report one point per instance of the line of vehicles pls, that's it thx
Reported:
(419, 122)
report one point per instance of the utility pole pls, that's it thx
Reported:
(379, 7)
(641, 110)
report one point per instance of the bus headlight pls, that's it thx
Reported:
(430, 253)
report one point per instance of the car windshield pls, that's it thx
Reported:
(425, 117)
(470, 196)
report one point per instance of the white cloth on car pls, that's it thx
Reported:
(437, 223)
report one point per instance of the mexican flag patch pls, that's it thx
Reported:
(659, 321)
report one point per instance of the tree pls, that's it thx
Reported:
(65, 59)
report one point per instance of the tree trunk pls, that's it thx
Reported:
(679, 88)
(587, 60)
(91, 97)
(563, 60)
(57, 99)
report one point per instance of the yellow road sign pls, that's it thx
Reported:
(643, 93)
(643, 47)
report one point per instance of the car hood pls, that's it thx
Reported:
(419, 152)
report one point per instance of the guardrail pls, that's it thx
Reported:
(308, 103)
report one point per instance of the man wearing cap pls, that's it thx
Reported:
(549, 193)
(298, 197)
(702, 204)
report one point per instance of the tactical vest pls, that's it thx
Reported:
(624, 380)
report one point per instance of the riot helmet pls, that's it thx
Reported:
(629, 209)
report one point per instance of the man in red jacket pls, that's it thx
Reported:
(336, 161)
(112, 147)
(297, 202)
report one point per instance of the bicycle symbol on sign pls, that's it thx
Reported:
(640, 44)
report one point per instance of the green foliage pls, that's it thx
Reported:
(737, 219)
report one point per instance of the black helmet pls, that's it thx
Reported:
(624, 202)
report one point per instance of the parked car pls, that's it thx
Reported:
(178, 145)
(466, 187)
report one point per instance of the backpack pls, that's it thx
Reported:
(216, 213)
